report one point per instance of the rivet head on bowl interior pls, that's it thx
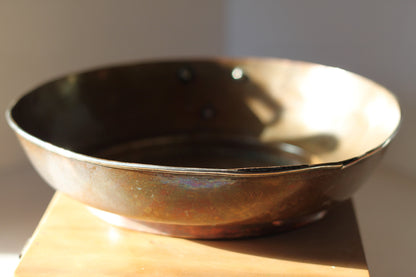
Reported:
(208, 112)
(237, 73)
(185, 74)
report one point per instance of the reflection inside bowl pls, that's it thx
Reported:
(208, 152)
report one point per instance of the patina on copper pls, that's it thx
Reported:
(207, 148)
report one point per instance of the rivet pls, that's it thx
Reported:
(208, 113)
(185, 74)
(237, 73)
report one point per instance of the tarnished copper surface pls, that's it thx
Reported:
(208, 148)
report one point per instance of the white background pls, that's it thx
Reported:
(40, 40)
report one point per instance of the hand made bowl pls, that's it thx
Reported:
(207, 148)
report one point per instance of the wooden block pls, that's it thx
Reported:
(70, 241)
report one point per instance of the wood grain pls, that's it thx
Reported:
(70, 241)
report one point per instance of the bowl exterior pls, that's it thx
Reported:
(202, 204)
(308, 136)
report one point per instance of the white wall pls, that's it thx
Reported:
(42, 39)
(374, 38)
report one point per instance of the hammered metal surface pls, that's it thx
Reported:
(208, 148)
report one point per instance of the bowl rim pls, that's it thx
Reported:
(246, 171)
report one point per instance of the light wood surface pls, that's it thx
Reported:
(70, 241)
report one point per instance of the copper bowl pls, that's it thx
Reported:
(207, 148)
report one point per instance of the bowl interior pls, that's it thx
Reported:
(225, 113)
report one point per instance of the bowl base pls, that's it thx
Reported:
(228, 231)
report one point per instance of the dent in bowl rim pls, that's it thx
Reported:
(246, 171)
